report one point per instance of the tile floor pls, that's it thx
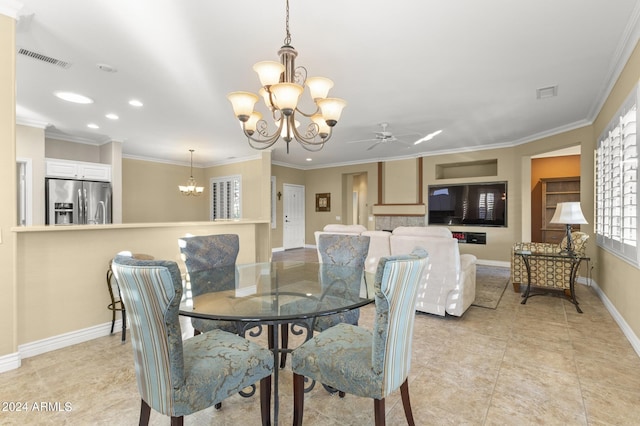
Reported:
(539, 363)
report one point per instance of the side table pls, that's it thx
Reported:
(572, 259)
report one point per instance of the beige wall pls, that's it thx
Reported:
(617, 278)
(55, 148)
(30, 145)
(8, 309)
(150, 193)
(400, 182)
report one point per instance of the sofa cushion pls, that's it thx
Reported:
(378, 247)
(339, 228)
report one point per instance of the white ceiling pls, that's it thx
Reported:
(468, 67)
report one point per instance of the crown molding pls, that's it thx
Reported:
(11, 8)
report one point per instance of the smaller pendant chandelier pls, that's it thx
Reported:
(191, 187)
(282, 85)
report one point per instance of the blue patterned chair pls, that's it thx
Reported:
(335, 249)
(179, 378)
(364, 363)
(200, 255)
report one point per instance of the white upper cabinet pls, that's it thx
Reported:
(78, 170)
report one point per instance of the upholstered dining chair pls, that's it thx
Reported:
(336, 249)
(179, 378)
(210, 262)
(364, 363)
(344, 250)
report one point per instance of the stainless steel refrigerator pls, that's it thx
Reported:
(77, 202)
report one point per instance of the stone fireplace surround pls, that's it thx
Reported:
(389, 223)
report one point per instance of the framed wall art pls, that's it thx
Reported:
(323, 202)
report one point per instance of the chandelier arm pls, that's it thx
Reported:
(310, 140)
(306, 114)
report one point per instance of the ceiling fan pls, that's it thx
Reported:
(385, 136)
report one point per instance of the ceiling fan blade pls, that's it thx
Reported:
(374, 145)
(363, 140)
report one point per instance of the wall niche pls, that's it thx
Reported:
(467, 169)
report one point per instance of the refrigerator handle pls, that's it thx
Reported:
(80, 207)
(86, 206)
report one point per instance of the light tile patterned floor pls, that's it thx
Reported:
(539, 363)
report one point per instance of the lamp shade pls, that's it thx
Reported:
(568, 213)
(319, 87)
(243, 103)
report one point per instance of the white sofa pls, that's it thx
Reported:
(449, 285)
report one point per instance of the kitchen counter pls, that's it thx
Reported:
(58, 228)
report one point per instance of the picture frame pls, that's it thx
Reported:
(323, 202)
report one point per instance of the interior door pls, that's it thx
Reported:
(293, 216)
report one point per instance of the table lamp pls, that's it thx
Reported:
(569, 214)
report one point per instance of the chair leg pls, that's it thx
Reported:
(265, 400)
(378, 411)
(113, 319)
(124, 325)
(284, 330)
(298, 399)
(177, 421)
(145, 413)
(406, 403)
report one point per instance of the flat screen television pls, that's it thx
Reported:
(475, 204)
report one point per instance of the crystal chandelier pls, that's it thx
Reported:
(282, 86)
(191, 187)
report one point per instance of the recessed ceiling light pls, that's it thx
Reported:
(135, 103)
(428, 137)
(112, 116)
(74, 97)
(93, 126)
(309, 159)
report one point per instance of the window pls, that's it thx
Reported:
(226, 197)
(616, 209)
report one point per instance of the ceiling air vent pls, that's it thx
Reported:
(44, 58)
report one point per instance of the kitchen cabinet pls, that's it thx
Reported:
(554, 191)
(78, 170)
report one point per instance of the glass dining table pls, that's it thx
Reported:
(287, 293)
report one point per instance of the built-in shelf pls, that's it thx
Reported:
(554, 191)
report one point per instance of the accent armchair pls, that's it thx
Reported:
(179, 378)
(546, 273)
(364, 363)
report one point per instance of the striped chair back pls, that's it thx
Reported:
(396, 288)
(151, 290)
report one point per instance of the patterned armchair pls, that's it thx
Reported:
(364, 363)
(545, 273)
(179, 378)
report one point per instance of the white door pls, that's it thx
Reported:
(293, 216)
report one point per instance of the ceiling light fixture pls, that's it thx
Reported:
(93, 126)
(74, 97)
(191, 187)
(135, 103)
(282, 85)
(112, 116)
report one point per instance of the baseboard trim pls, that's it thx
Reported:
(626, 330)
(498, 263)
(60, 341)
(10, 362)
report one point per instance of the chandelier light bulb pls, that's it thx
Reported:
(269, 72)
(331, 109)
(251, 124)
(319, 87)
(285, 96)
(242, 103)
